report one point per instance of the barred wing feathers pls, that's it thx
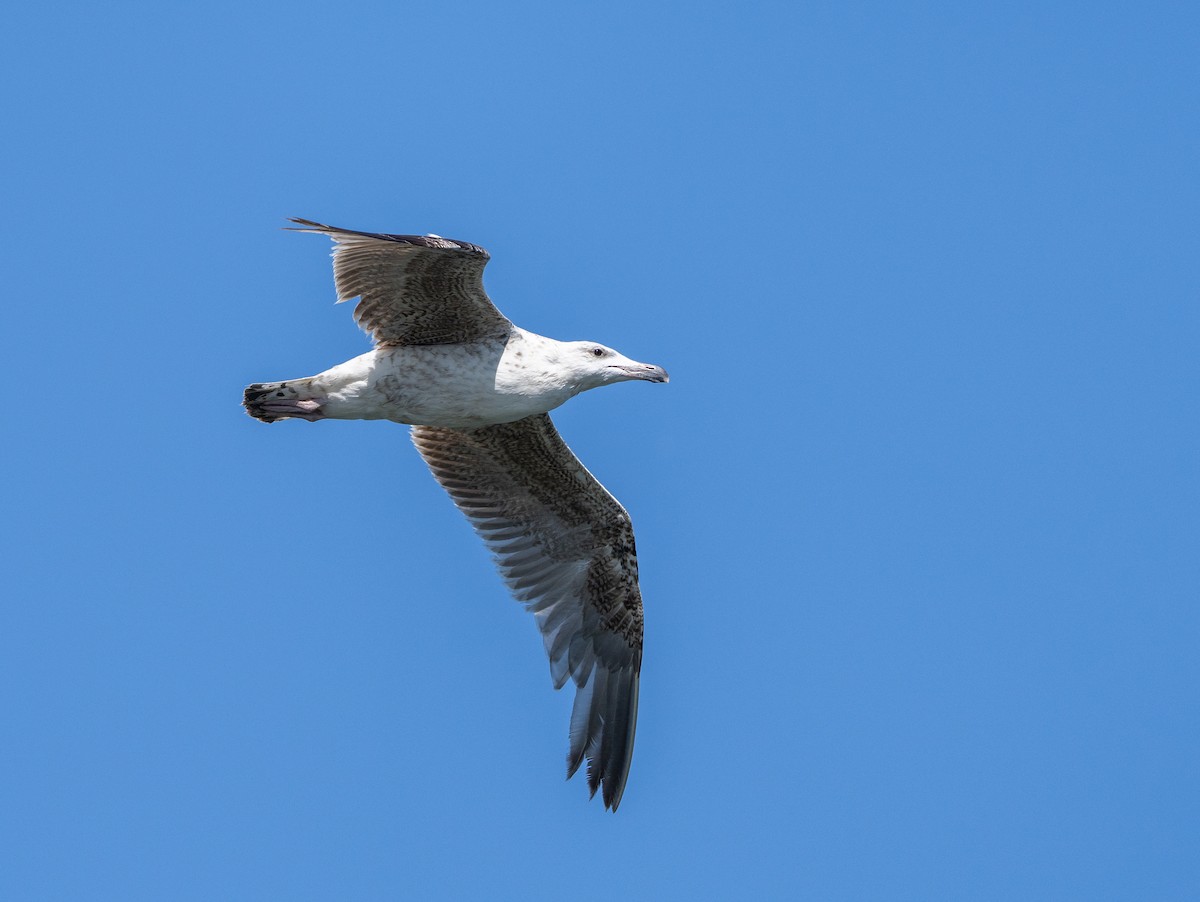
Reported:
(565, 548)
(414, 289)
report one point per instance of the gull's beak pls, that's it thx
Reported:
(645, 371)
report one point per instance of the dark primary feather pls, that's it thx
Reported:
(415, 289)
(565, 548)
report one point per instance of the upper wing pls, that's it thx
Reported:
(565, 547)
(415, 289)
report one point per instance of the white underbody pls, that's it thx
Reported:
(464, 385)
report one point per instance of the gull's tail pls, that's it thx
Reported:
(271, 401)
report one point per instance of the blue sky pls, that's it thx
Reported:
(917, 514)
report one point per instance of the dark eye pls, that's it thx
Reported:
(597, 352)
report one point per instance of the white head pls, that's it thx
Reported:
(592, 365)
(538, 365)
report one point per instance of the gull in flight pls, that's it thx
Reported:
(477, 390)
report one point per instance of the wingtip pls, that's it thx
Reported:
(603, 736)
(340, 235)
(311, 226)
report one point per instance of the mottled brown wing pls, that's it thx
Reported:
(414, 289)
(565, 548)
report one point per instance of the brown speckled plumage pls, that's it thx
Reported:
(566, 550)
(415, 289)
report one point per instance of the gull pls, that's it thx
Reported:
(477, 391)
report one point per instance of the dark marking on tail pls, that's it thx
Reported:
(271, 401)
(253, 397)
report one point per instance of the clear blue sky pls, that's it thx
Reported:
(917, 514)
